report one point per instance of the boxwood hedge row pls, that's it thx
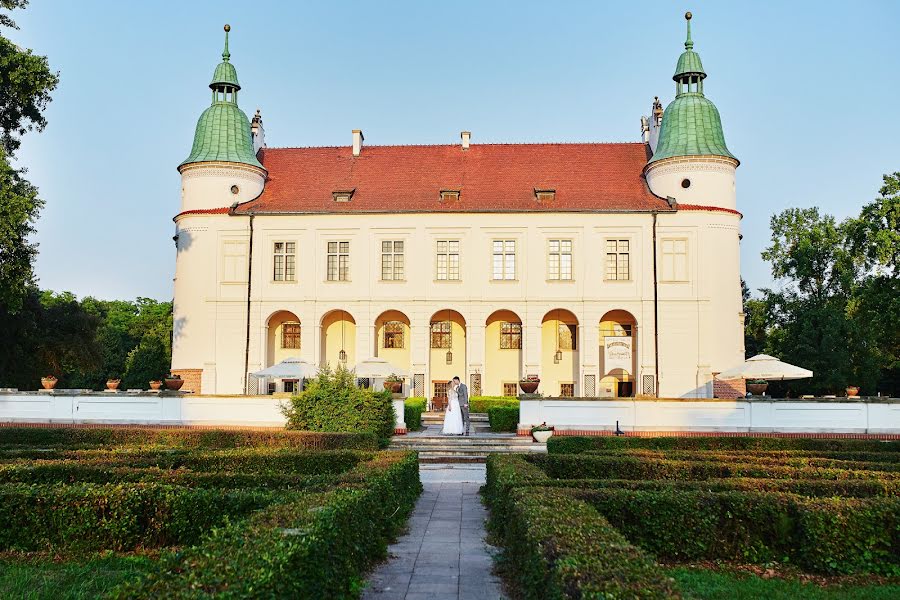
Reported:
(312, 546)
(77, 437)
(872, 462)
(89, 517)
(412, 412)
(826, 535)
(503, 418)
(575, 445)
(560, 547)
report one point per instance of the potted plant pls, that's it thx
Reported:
(529, 384)
(757, 387)
(113, 384)
(155, 384)
(49, 382)
(393, 383)
(852, 391)
(174, 382)
(541, 433)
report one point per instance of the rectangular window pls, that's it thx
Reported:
(674, 260)
(393, 334)
(235, 262)
(510, 390)
(338, 261)
(285, 261)
(441, 335)
(440, 389)
(510, 336)
(504, 260)
(448, 260)
(559, 260)
(290, 336)
(618, 262)
(392, 261)
(566, 390)
(567, 337)
(290, 385)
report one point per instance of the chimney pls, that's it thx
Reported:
(466, 136)
(257, 132)
(357, 141)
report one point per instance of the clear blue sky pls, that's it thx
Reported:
(808, 93)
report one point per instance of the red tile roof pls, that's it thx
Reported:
(490, 178)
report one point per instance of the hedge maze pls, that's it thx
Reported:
(596, 516)
(229, 514)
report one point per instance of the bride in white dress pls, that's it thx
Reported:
(453, 421)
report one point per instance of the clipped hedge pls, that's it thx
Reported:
(481, 404)
(315, 546)
(826, 535)
(77, 437)
(560, 547)
(88, 517)
(503, 418)
(575, 444)
(792, 460)
(412, 412)
(594, 466)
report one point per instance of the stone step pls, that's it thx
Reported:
(461, 441)
(438, 458)
(473, 448)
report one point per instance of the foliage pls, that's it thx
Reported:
(481, 404)
(333, 402)
(503, 418)
(837, 306)
(412, 412)
(77, 438)
(576, 444)
(41, 579)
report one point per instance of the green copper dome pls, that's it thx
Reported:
(223, 130)
(691, 125)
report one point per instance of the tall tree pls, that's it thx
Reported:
(25, 85)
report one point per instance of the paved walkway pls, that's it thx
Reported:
(444, 555)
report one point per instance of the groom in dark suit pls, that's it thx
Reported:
(463, 392)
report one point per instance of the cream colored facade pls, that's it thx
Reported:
(699, 307)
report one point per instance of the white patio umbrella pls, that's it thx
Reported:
(289, 368)
(378, 368)
(763, 366)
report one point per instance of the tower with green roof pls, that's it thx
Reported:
(691, 161)
(223, 154)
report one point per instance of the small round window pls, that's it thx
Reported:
(235, 189)
(685, 183)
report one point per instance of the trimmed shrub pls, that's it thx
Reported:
(827, 535)
(560, 547)
(503, 418)
(792, 460)
(594, 466)
(481, 404)
(316, 546)
(412, 412)
(88, 517)
(77, 437)
(333, 402)
(575, 445)
(504, 472)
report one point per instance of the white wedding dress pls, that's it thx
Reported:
(453, 421)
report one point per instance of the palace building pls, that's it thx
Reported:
(604, 269)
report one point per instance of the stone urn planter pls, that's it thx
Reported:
(852, 391)
(155, 385)
(757, 388)
(394, 387)
(174, 383)
(113, 384)
(541, 437)
(49, 382)
(529, 386)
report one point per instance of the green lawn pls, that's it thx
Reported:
(76, 580)
(712, 585)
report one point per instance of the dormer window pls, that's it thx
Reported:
(342, 195)
(545, 195)
(449, 195)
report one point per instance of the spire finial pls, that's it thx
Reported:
(688, 43)
(225, 53)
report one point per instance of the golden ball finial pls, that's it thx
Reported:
(228, 27)
(688, 15)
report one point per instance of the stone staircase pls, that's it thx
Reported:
(434, 447)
